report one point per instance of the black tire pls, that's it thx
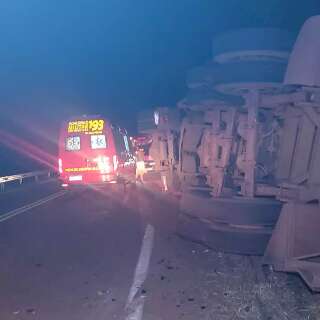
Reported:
(256, 212)
(249, 72)
(224, 238)
(242, 72)
(264, 39)
(204, 94)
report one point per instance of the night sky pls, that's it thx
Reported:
(112, 57)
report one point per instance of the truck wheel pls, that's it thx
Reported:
(252, 43)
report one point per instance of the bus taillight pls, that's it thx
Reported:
(60, 165)
(115, 162)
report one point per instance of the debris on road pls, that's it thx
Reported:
(143, 291)
(101, 292)
(224, 286)
(31, 310)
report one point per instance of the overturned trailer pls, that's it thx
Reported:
(243, 148)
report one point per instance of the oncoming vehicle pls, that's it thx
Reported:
(92, 151)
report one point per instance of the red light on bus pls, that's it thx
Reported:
(115, 162)
(60, 165)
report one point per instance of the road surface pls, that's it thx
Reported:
(105, 253)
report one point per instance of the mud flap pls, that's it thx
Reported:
(295, 243)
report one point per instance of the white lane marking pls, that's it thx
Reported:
(134, 306)
(27, 207)
(135, 310)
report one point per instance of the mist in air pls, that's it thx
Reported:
(66, 58)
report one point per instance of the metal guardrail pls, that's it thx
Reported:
(21, 177)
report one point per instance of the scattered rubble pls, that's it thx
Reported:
(225, 286)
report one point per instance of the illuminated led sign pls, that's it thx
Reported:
(86, 126)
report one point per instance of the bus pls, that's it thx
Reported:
(94, 151)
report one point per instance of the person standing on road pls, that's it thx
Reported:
(140, 166)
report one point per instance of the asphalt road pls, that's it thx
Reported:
(112, 254)
(70, 258)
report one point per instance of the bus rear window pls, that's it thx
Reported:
(73, 143)
(98, 141)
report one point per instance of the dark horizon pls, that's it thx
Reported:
(61, 59)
